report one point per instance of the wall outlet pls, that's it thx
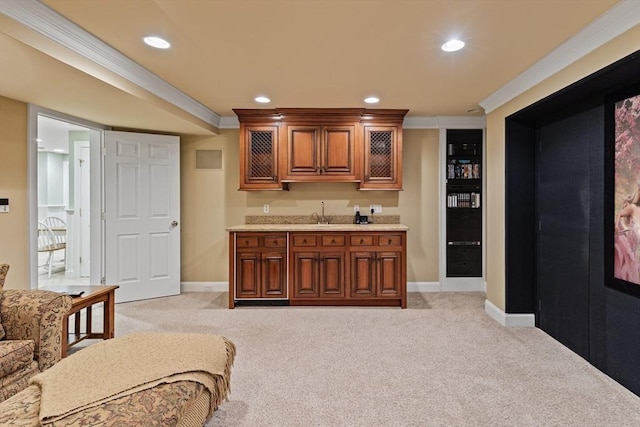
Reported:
(265, 208)
(208, 288)
(375, 208)
(356, 208)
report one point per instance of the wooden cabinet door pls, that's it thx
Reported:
(248, 275)
(305, 275)
(259, 157)
(274, 275)
(382, 158)
(332, 274)
(363, 274)
(303, 151)
(389, 274)
(338, 150)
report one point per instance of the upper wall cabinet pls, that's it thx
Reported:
(320, 153)
(320, 145)
(259, 149)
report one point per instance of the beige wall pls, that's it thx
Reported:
(14, 244)
(211, 201)
(618, 48)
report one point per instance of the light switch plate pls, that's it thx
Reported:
(265, 208)
(4, 205)
(356, 208)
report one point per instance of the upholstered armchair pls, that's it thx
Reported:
(30, 334)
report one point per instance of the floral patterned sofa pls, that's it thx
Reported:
(30, 334)
(110, 384)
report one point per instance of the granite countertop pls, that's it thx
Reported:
(319, 227)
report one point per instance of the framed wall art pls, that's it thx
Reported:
(622, 190)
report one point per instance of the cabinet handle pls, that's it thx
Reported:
(304, 241)
(275, 242)
(389, 241)
(333, 240)
(361, 241)
(246, 242)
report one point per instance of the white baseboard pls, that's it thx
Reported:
(524, 320)
(204, 286)
(411, 287)
(464, 284)
(423, 286)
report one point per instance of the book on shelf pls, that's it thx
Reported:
(463, 169)
(463, 200)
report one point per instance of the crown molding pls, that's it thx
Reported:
(445, 122)
(45, 21)
(440, 122)
(229, 122)
(616, 21)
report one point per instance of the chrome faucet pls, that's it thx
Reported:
(322, 219)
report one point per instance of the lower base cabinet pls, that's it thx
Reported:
(318, 275)
(260, 266)
(328, 268)
(376, 274)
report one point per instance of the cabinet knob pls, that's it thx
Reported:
(246, 242)
(333, 240)
(361, 240)
(275, 242)
(304, 241)
(389, 241)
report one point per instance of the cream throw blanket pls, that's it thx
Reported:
(122, 366)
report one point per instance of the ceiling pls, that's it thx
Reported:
(323, 53)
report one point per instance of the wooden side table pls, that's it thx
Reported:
(91, 295)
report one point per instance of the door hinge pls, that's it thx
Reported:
(80, 260)
(102, 216)
(104, 151)
(103, 281)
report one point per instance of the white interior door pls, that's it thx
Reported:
(142, 199)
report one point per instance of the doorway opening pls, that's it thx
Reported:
(65, 200)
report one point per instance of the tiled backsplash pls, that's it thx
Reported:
(308, 219)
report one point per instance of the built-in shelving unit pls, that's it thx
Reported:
(464, 201)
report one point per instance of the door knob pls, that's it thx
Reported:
(174, 223)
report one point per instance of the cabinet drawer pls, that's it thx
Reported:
(247, 242)
(304, 240)
(333, 240)
(275, 241)
(362, 240)
(390, 240)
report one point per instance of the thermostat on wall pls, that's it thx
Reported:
(4, 205)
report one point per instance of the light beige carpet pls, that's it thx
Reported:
(441, 362)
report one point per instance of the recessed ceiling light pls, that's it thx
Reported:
(372, 100)
(452, 45)
(262, 99)
(157, 42)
